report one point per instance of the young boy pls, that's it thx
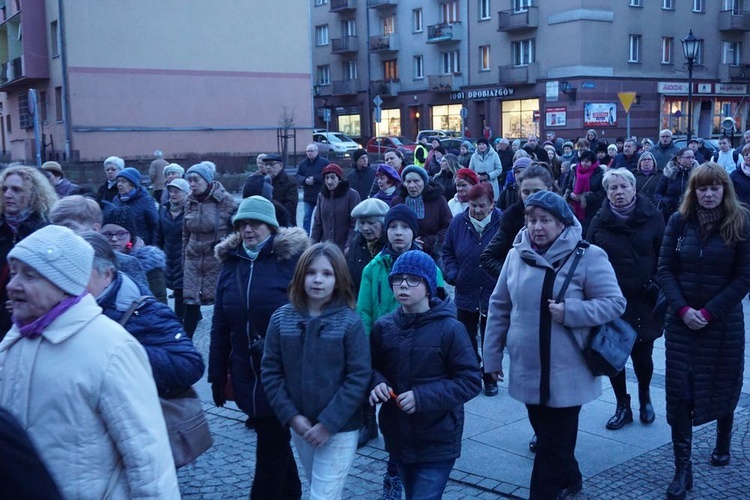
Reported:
(424, 370)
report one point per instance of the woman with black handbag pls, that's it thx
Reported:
(704, 269)
(629, 229)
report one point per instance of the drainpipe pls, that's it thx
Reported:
(65, 85)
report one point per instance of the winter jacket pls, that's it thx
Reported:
(285, 192)
(143, 207)
(741, 182)
(506, 160)
(358, 255)
(102, 425)
(704, 273)
(461, 254)
(175, 363)
(622, 161)
(488, 163)
(437, 217)
(428, 353)
(632, 247)
(107, 193)
(169, 239)
(465, 159)
(156, 173)
(333, 220)
(511, 222)
(446, 180)
(205, 225)
(66, 188)
(247, 294)
(132, 267)
(542, 352)
(595, 195)
(363, 181)
(314, 169)
(153, 262)
(663, 155)
(671, 187)
(318, 367)
(646, 184)
(537, 153)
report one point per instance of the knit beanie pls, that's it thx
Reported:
(358, 154)
(58, 254)
(418, 170)
(371, 207)
(522, 162)
(203, 170)
(123, 217)
(173, 167)
(332, 168)
(388, 171)
(180, 184)
(552, 203)
(258, 185)
(130, 174)
(483, 140)
(405, 214)
(417, 263)
(468, 175)
(256, 208)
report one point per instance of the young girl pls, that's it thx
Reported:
(316, 368)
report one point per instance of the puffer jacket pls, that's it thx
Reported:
(461, 253)
(704, 273)
(153, 261)
(741, 182)
(632, 246)
(671, 187)
(169, 239)
(175, 363)
(247, 294)
(333, 221)
(646, 184)
(144, 212)
(488, 163)
(318, 366)
(430, 354)
(437, 217)
(358, 255)
(205, 225)
(511, 222)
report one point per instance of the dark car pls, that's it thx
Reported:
(711, 144)
(379, 145)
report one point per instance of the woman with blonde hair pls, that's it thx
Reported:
(447, 176)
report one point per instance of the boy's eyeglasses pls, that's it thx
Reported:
(411, 281)
(119, 235)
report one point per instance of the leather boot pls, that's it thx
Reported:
(720, 456)
(647, 409)
(682, 442)
(623, 414)
(369, 429)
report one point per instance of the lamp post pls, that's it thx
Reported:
(690, 46)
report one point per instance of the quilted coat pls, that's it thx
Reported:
(169, 239)
(144, 211)
(333, 221)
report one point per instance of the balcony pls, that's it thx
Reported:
(11, 71)
(344, 87)
(728, 74)
(513, 20)
(444, 32)
(385, 88)
(385, 44)
(440, 83)
(381, 4)
(345, 45)
(730, 20)
(23, 58)
(519, 75)
(343, 6)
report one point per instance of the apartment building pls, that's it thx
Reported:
(126, 78)
(523, 66)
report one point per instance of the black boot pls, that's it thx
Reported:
(532, 444)
(720, 456)
(490, 385)
(623, 414)
(647, 409)
(682, 442)
(369, 429)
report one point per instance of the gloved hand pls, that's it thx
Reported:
(217, 389)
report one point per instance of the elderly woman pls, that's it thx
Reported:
(486, 163)
(704, 270)
(208, 214)
(369, 237)
(446, 177)
(548, 372)
(467, 237)
(332, 220)
(646, 176)
(387, 180)
(257, 265)
(100, 431)
(131, 194)
(26, 198)
(630, 230)
(466, 179)
(171, 172)
(427, 201)
(108, 191)
(169, 239)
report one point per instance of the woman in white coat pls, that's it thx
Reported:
(486, 163)
(79, 384)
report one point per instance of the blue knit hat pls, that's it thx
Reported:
(203, 170)
(403, 213)
(418, 170)
(131, 174)
(417, 263)
(552, 203)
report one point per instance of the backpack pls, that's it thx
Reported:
(735, 157)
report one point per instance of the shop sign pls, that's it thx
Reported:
(731, 88)
(482, 93)
(600, 114)
(672, 88)
(556, 117)
(704, 88)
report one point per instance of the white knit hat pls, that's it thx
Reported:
(58, 254)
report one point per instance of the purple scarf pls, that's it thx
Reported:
(36, 327)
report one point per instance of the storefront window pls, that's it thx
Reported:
(350, 125)
(674, 115)
(446, 117)
(390, 122)
(518, 118)
(723, 109)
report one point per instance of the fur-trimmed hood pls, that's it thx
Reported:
(671, 170)
(149, 256)
(288, 243)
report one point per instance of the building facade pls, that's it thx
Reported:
(124, 79)
(528, 66)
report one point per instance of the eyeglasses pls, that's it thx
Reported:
(411, 281)
(118, 235)
(310, 151)
(255, 224)
(193, 178)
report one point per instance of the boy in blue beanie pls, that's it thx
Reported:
(424, 370)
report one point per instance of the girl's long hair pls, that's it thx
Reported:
(343, 290)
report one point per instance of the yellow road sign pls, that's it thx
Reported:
(626, 98)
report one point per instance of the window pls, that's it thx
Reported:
(636, 3)
(348, 28)
(350, 125)
(449, 12)
(416, 21)
(350, 70)
(324, 75)
(731, 53)
(484, 58)
(699, 53)
(390, 123)
(667, 47)
(484, 10)
(450, 62)
(736, 6)
(524, 52)
(321, 35)
(58, 105)
(54, 35)
(7, 124)
(635, 49)
(390, 69)
(518, 118)
(43, 106)
(320, 2)
(522, 5)
(418, 67)
(23, 111)
(698, 6)
(667, 4)
(389, 25)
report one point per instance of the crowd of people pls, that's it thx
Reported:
(314, 327)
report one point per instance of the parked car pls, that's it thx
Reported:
(335, 145)
(379, 145)
(711, 144)
(437, 133)
(452, 144)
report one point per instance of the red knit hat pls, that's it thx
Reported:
(332, 168)
(468, 175)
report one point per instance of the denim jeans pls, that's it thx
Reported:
(326, 467)
(307, 221)
(425, 481)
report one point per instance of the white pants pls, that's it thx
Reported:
(327, 467)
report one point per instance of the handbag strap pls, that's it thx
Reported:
(135, 305)
(578, 252)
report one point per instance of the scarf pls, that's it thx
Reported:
(255, 251)
(36, 328)
(176, 208)
(389, 191)
(14, 221)
(111, 184)
(480, 225)
(127, 196)
(706, 217)
(582, 185)
(416, 203)
(374, 247)
(624, 212)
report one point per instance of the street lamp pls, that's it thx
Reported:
(690, 47)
